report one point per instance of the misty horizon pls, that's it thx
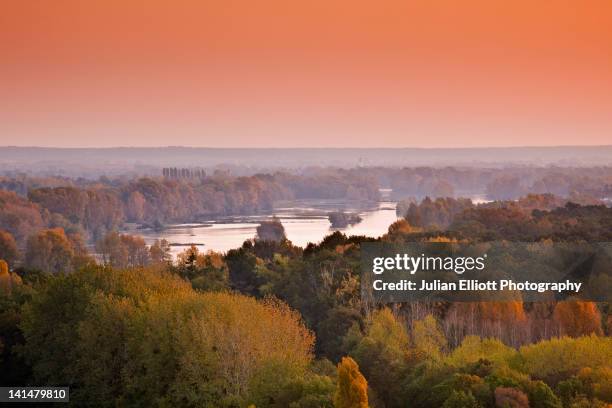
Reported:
(400, 147)
(93, 162)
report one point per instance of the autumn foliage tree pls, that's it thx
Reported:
(206, 271)
(160, 251)
(124, 250)
(7, 279)
(352, 388)
(577, 318)
(506, 397)
(147, 338)
(8, 247)
(50, 251)
(20, 217)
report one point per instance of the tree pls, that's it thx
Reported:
(145, 337)
(271, 231)
(213, 272)
(461, 399)
(352, 388)
(381, 354)
(402, 227)
(8, 280)
(428, 338)
(160, 251)
(555, 358)
(123, 250)
(242, 265)
(50, 251)
(81, 255)
(135, 206)
(332, 329)
(138, 252)
(272, 388)
(8, 247)
(541, 396)
(474, 349)
(506, 397)
(443, 189)
(206, 271)
(340, 219)
(113, 251)
(576, 318)
(13, 295)
(20, 217)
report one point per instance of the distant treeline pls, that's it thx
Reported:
(445, 213)
(496, 184)
(95, 208)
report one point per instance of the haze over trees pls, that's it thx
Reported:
(93, 162)
(95, 207)
(100, 207)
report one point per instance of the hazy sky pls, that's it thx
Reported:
(313, 73)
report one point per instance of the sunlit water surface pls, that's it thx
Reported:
(304, 221)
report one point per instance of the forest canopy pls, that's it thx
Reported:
(271, 324)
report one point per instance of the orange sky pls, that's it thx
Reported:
(305, 73)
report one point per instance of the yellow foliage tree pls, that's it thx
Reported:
(554, 357)
(352, 389)
(474, 348)
(427, 337)
(172, 345)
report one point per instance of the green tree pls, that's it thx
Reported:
(555, 358)
(146, 338)
(541, 396)
(460, 399)
(242, 265)
(206, 271)
(381, 353)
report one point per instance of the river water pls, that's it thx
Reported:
(304, 221)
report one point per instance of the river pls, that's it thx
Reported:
(304, 221)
